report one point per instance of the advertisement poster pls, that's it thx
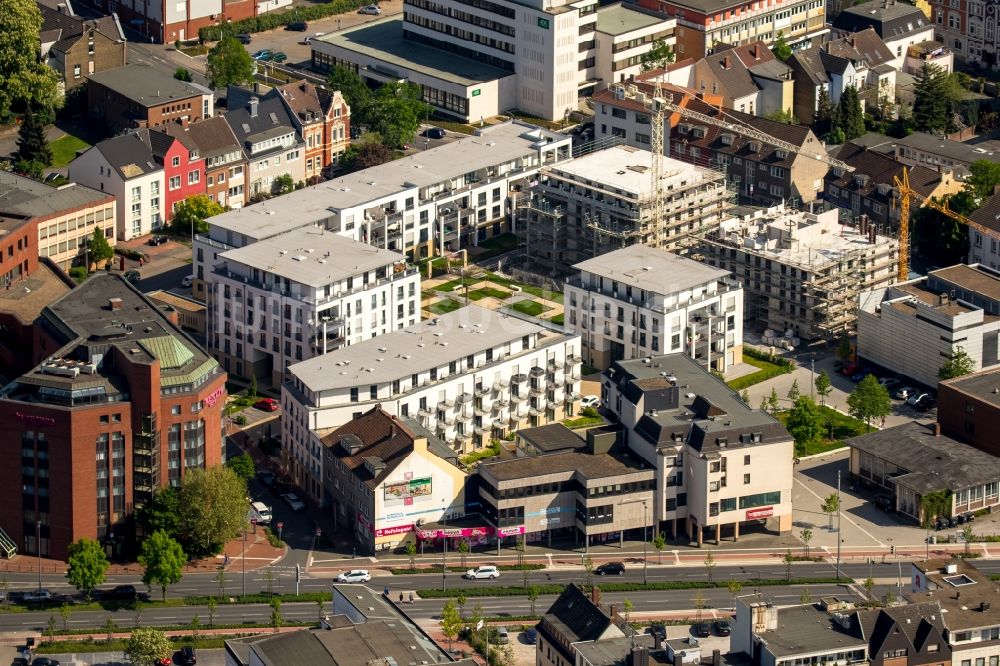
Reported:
(408, 489)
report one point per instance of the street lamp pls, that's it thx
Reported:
(38, 549)
(645, 522)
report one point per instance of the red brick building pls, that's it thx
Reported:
(183, 169)
(183, 20)
(323, 120)
(225, 163)
(138, 96)
(122, 403)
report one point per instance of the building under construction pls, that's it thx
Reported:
(608, 200)
(801, 272)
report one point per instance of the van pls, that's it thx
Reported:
(261, 512)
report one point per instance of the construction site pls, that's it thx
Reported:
(802, 272)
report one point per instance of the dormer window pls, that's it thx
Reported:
(727, 139)
(781, 154)
(838, 172)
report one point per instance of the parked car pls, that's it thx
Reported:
(925, 403)
(354, 576)
(52, 177)
(530, 636)
(267, 478)
(610, 569)
(187, 281)
(917, 397)
(702, 630)
(123, 592)
(267, 405)
(371, 10)
(849, 369)
(860, 374)
(132, 276)
(590, 401)
(44, 661)
(434, 133)
(262, 55)
(187, 656)
(889, 383)
(503, 636)
(485, 571)
(164, 661)
(157, 240)
(298, 26)
(722, 627)
(37, 596)
(905, 392)
(279, 56)
(293, 501)
(244, 38)
(884, 502)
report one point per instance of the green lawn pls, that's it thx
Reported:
(496, 246)
(839, 427)
(488, 292)
(766, 370)
(530, 308)
(445, 306)
(583, 422)
(558, 319)
(64, 149)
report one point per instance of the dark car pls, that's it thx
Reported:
(610, 569)
(125, 592)
(925, 403)
(531, 636)
(279, 57)
(187, 656)
(157, 240)
(657, 629)
(702, 630)
(267, 478)
(850, 369)
(244, 38)
(434, 133)
(44, 661)
(722, 628)
(132, 276)
(884, 502)
(860, 374)
(298, 26)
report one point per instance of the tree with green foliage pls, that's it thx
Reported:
(709, 563)
(229, 64)
(735, 587)
(215, 509)
(87, 566)
(366, 152)
(191, 214)
(182, 74)
(276, 617)
(805, 597)
(99, 248)
(26, 82)
(773, 403)
(830, 506)
(33, 152)
(793, 391)
(162, 512)
(163, 560)
(659, 542)
(823, 118)
(65, 611)
(868, 585)
(806, 536)
(823, 387)
(659, 56)
(805, 421)
(984, 177)
(588, 567)
(789, 560)
(785, 116)
(350, 85)
(242, 465)
(932, 103)
(411, 552)
(869, 401)
(282, 184)
(745, 397)
(849, 117)
(147, 646)
(395, 112)
(958, 364)
(213, 606)
(463, 551)
(451, 621)
(939, 238)
(780, 48)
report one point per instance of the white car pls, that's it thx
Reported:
(293, 501)
(371, 10)
(905, 392)
(187, 281)
(38, 595)
(486, 571)
(590, 401)
(354, 576)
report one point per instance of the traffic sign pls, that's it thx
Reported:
(281, 525)
(319, 532)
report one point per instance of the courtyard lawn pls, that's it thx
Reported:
(530, 308)
(488, 292)
(558, 319)
(445, 306)
(64, 149)
(839, 427)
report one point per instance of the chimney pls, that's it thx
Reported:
(716, 658)
(595, 596)
(657, 640)
(937, 429)
(614, 611)
(639, 656)
(114, 304)
(253, 106)
(678, 659)
(725, 62)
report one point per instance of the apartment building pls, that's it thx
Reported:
(625, 33)
(165, 22)
(640, 301)
(609, 199)
(701, 25)
(183, 168)
(123, 403)
(801, 272)
(948, 309)
(573, 620)
(440, 200)
(470, 376)
(65, 217)
(779, 636)
(127, 168)
(970, 28)
(983, 241)
(384, 476)
(933, 152)
(224, 163)
(30, 293)
(900, 25)
(719, 463)
(323, 120)
(141, 96)
(297, 295)
(76, 47)
(270, 141)
(594, 496)
(749, 78)
(968, 410)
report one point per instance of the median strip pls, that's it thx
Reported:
(511, 591)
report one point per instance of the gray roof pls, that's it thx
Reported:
(891, 20)
(875, 141)
(271, 120)
(312, 256)
(934, 462)
(954, 150)
(575, 617)
(652, 269)
(211, 136)
(130, 154)
(865, 45)
(146, 85)
(988, 213)
(584, 465)
(65, 29)
(619, 19)
(733, 75)
(809, 630)
(809, 62)
(551, 438)
(772, 69)
(20, 196)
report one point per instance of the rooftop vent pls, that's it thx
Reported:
(114, 303)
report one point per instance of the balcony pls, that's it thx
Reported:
(519, 378)
(446, 403)
(464, 398)
(482, 391)
(537, 372)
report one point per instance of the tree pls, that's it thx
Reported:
(395, 112)
(350, 85)
(99, 248)
(32, 146)
(788, 559)
(868, 585)
(823, 387)
(984, 177)
(110, 627)
(146, 646)
(460, 601)
(627, 607)
(182, 74)
(283, 184)
(659, 56)
(940, 238)
(137, 606)
(162, 512)
(849, 117)
(192, 213)
(411, 552)
(735, 587)
(463, 551)
(533, 593)
(869, 401)
(25, 80)
(220, 580)
(793, 391)
(806, 535)
(745, 397)
(229, 64)
(451, 621)
(163, 559)
(242, 465)
(967, 537)
(65, 611)
(931, 101)
(87, 566)
(805, 421)
(213, 606)
(785, 116)
(823, 118)
(805, 597)
(659, 542)
(588, 567)
(710, 566)
(958, 364)
(830, 506)
(195, 625)
(276, 618)
(699, 603)
(773, 404)
(781, 50)
(367, 152)
(215, 509)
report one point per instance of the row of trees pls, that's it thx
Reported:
(940, 238)
(840, 123)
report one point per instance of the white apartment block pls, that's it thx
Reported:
(469, 376)
(802, 272)
(912, 327)
(625, 33)
(607, 200)
(301, 294)
(641, 301)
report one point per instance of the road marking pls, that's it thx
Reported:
(847, 518)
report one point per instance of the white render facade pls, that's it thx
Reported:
(470, 376)
(300, 294)
(138, 200)
(640, 301)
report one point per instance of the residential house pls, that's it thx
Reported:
(165, 21)
(383, 476)
(183, 168)
(969, 410)
(572, 619)
(984, 240)
(624, 33)
(900, 25)
(911, 635)
(810, 78)
(726, 72)
(323, 120)
(971, 28)
(934, 152)
(932, 53)
(126, 167)
(225, 163)
(140, 96)
(874, 72)
(269, 139)
(77, 47)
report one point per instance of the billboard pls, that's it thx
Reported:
(409, 488)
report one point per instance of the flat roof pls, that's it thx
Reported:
(401, 353)
(953, 149)
(620, 20)
(146, 85)
(24, 196)
(589, 465)
(176, 301)
(551, 438)
(261, 220)
(312, 256)
(629, 169)
(383, 40)
(933, 462)
(808, 629)
(983, 385)
(964, 610)
(26, 298)
(652, 269)
(976, 278)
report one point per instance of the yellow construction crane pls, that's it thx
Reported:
(904, 192)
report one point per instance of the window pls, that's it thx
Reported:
(76, 71)
(746, 479)
(194, 177)
(617, 113)
(175, 182)
(175, 161)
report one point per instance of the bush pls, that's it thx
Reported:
(273, 20)
(273, 539)
(129, 253)
(78, 273)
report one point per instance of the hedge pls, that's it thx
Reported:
(520, 591)
(272, 20)
(768, 368)
(261, 598)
